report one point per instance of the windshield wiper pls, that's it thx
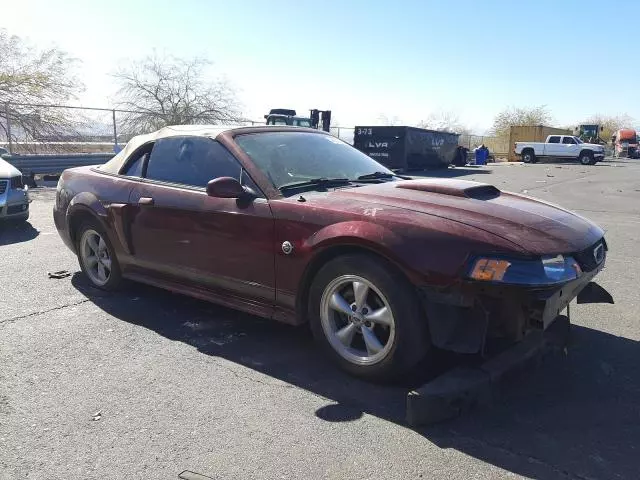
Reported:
(380, 175)
(316, 182)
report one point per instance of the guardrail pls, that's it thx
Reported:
(54, 164)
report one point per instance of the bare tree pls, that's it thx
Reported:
(520, 116)
(171, 91)
(384, 119)
(445, 122)
(31, 77)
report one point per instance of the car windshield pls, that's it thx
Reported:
(578, 140)
(301, 122)
(292, 157)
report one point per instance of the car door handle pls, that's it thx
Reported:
(145, 201)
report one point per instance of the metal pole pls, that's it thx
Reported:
(115, 132)
(6, 111)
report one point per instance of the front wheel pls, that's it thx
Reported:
(367, 317)
(97, 257)
(586, 158)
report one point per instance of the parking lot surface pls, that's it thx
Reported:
(143, 384)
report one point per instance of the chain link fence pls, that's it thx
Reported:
(51, 129)
(498, 146)
(46, 129)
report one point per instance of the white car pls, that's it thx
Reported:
(14, 196)
(560, 147)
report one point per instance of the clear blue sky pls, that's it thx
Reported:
(365, 58)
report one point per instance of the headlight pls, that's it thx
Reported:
(547, 270)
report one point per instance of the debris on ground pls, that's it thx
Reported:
(541, 181)
(550, 175)
(59, 274)
(189, 475)
(97, 416)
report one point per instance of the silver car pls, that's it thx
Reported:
(14, 197)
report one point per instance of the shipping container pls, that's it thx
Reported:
(406, 148)
(531, 133)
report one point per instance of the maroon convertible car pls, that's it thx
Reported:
(295, 225)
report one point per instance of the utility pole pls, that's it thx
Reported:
(115, 132)
(6, 111)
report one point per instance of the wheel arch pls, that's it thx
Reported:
(84, 207)
(527, 150)
(585, 151)
(329, 253)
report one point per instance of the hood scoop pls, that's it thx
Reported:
(455, 188)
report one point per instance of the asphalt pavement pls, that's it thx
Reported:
(144, 384)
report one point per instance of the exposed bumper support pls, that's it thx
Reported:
(594, 293)
(461, 389)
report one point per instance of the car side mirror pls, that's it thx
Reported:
(227, 187)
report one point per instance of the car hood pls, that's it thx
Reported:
(594, 146)
(535, 226)
(7, 170)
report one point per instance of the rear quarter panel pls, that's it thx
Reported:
(86, 191)
(538, 147)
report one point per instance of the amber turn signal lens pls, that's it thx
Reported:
(489, 270)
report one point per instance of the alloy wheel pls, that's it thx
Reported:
(357, 320)
(96, 257)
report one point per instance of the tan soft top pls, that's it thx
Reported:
(211, 131)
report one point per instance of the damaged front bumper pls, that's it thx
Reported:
(477, 317)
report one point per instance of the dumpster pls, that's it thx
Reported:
(406, 148)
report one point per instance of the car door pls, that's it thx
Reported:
(180, 233)
(570, 147)
(553, 147)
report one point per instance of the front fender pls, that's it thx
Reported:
(369, 236)
(373, 235)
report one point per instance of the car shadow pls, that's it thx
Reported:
(450, 172)
(16, 232)
(576, 416)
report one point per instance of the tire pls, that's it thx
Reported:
(528, 156)
(586, 158)
(400, 331)
(102, 252)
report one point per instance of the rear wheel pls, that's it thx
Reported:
(528, 156)
(367, 317)
(586, 158)
(97, 258)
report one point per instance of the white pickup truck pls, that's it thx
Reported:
(560, 147)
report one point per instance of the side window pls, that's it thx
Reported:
(191, 161)
(135, 165)
(568, 141)
(554, 139)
